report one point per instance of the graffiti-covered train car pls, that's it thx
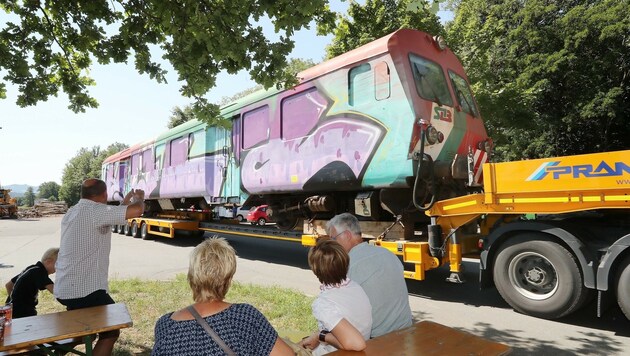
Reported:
(379, 131)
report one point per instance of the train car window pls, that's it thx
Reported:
(159, 156)
(196, 144)
(382, 85)
(135, 163)
(178, 151)
(255, 127)
(147, 160)
(463, 94)
(360, 84)
(110, 171)
(430, 81)
(301, 112)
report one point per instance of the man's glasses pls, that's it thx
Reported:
(334, 238)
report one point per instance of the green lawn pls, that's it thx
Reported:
(287, 310)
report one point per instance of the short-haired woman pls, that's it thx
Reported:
(342, 309)
(241, 327)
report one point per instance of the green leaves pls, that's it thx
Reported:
(551, 78)
(377, 18)
(50, 45)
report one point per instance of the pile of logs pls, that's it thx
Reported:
(44, 207)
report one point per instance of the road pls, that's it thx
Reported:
(270, 262)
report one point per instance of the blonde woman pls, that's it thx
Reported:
(342, 309)
(240, 327)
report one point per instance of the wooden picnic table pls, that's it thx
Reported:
(429, 338)
(44, 331)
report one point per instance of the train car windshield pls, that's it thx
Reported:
(463, 94)
(430, 80)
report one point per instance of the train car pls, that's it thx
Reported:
(380, 131)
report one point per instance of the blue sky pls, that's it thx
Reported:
(36, 142)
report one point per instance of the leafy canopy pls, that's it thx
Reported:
(377, 18)
(48, 46)
(552, 78)
(48, 190)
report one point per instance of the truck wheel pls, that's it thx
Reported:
(135, 232)
(127, 230)
(539, 277)
(144, 232)
(262, 221)
(121, 229)
(623, 287)
(114, 229)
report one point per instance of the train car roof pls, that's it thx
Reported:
(127, 152)
(374, 48)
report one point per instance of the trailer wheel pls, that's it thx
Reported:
(135, 232)
(623, 287)
(121, 229)
(114, 229)
(127, 230)
(144, 232)
(539, 277)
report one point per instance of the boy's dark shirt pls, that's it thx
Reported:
(26, 286)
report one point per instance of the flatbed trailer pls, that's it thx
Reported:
(549, 233)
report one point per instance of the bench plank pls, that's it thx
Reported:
(47, 328)
(429, 338)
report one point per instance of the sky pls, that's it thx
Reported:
(36, 142)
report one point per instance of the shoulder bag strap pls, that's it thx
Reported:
(210, 331)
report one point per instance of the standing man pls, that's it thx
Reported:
(378, 271)
(83, 261)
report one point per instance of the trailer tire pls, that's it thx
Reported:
(539, 277)
(127, 229)
(121, 229)
(623, 287)
(135, 232)
(144, 232)
(114, 229)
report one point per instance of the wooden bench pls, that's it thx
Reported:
(429, 338)
(61, 332)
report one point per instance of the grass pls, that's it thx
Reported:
(287, 310)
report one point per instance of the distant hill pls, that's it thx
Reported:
(18, 190)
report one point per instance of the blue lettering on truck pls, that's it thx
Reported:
(556, 171)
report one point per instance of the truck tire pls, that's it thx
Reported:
(121, 229)
(539, 277)
(114, 229)
(135, 231)
(623, 287)
(144, 232)
(127, 230)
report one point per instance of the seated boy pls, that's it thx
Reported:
(22, 289)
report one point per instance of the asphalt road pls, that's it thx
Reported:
(271, 262)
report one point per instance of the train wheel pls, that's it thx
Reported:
(623, 287)
(135, 232)
(144, 232)
(539, 277)
(262, 221)
(286, 223)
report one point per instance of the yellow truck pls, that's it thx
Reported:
(551, 234)
(8, 205)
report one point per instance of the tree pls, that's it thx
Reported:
(179, 116)
(29, 197)
(48, 190)
(552, 77)
(377, 18)
(86, 164)
(48, 46)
